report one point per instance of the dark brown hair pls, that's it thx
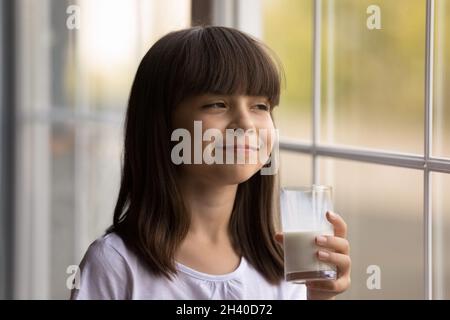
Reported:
(150, 214)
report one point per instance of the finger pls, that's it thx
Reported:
(340, 227)
(342, 261)
(337, 244)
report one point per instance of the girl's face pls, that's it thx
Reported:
(251, 114)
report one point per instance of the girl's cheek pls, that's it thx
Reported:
(209, 122)
(266, 139)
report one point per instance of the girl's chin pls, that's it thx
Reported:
(237, 173)
(222, 174)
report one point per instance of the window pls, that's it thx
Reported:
(441, 235)
(372, 79)
(379, 129)
(73, 91)
(287, 28)
(441, 120)
(295, 169)
(366, 110)
(383, 209)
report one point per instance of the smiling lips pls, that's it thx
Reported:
(245, 147)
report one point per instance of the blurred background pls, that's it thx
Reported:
(352, 114)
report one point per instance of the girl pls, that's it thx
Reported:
(200, 231)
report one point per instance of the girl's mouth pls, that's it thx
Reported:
(245, 147)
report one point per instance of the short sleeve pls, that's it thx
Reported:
(104, 274)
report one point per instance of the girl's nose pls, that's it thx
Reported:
(241, 119)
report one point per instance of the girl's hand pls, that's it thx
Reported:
(337, 253)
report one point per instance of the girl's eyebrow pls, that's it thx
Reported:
(231, 97)
(266, 99)
(214, 98)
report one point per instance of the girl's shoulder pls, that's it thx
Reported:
(111, 241)
(108, 246)
(105, 270)
(110, 250)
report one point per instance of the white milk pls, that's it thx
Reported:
(300, 256)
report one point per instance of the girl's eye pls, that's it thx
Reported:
(263, 107)
(217, 105)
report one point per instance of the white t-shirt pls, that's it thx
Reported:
(109, 270)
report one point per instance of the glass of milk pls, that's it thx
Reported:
(303, 217)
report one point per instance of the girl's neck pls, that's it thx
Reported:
(208, 247)
(210, 207)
